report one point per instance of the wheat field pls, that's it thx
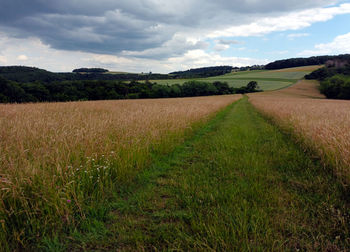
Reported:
(56, 157)
(321, 124)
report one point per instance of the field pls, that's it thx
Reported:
(266, 171)
(322, 124)
(267, 80)
(58, 158)
(238, 185)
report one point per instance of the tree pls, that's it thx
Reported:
(37, 91)
(12, 91)
(252, 86)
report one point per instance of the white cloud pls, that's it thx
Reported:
(200, 58)
(3, 59)
(22, 57)
(35, 53)
(292, 21)
(178, 45)
(340, 45)
(297, 35)
(221, 47)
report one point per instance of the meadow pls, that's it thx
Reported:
(267, 79)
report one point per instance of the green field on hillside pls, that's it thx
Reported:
(267, 79)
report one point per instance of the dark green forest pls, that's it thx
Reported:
(90, 70)
(203, 72)
(31, 74)
(296, 62)
(14, 92)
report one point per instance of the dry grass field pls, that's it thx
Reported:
(301, 89)
(55, 154)
(323, 125)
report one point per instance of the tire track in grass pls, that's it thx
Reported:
(238, 184)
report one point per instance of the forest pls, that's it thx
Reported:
(31, 74)
(296, 62)
(14, 92)
(203, 72)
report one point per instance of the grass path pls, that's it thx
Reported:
(238, 184)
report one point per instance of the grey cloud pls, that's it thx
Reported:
(228, 42)
(223, 44)
(144, 28)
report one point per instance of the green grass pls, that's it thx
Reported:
(237, 184)
(263, 84)
(269, 74)
(267, 80)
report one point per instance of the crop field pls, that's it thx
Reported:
(303, 88)
(323, 125)
(267, 80)
(56, 158)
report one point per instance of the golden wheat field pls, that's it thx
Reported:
(322, 124)
(55, 153)
(53, 135)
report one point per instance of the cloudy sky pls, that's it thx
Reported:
(164, 36)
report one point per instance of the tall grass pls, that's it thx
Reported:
(238, 185)
(57, 159)
(320, 124)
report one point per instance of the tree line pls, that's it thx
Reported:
(14, 92)
(90, 70)
(31, 74)
(25, 74)
(334, 79)
(202, 72)
(296, 62)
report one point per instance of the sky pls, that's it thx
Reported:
(162, 36)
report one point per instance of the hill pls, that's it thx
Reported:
(203, 72)
(25, 74)
(90, 70)
(28, 74)
(296, 62)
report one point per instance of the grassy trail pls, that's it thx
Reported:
(238, 184)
